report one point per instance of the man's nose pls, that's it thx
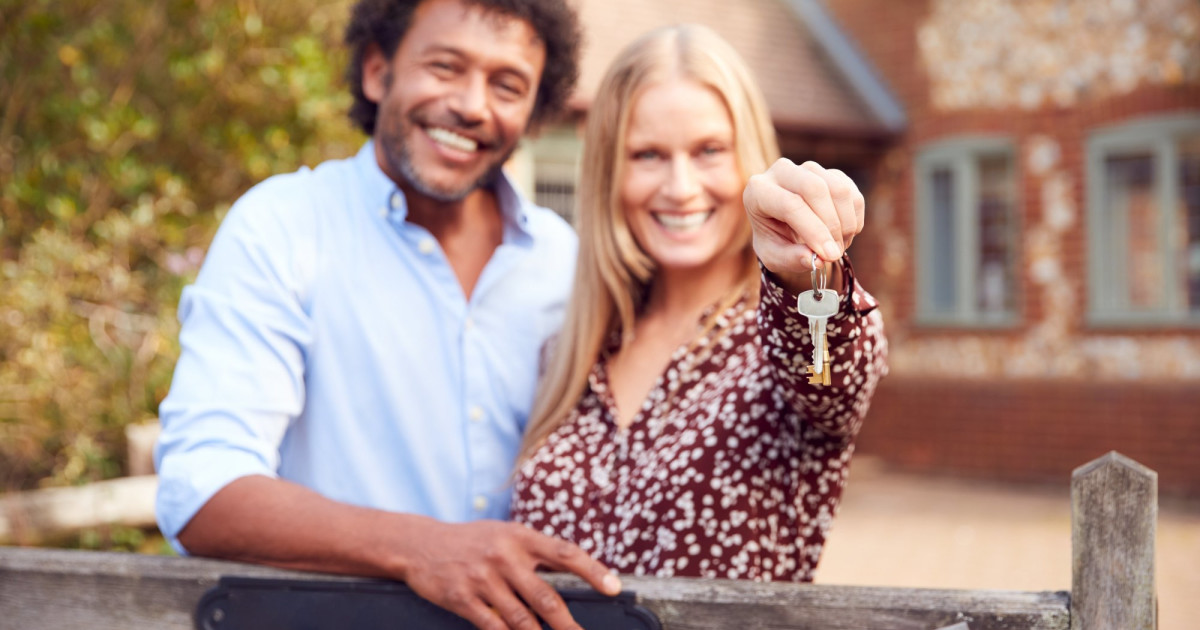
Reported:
(469, 102)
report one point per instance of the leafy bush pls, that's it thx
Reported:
(126, 130)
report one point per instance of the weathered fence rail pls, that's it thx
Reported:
(1114, 508)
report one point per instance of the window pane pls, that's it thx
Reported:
(554, 186)
(1135, 218)
(943, 293)
(557, 195)
(556, 153)
(1189, 207)
(994, 285)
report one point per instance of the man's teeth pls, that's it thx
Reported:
(452, 140)
(682, 222)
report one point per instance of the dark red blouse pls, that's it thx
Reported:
(733, 467)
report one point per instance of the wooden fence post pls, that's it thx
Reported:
(1114, 509)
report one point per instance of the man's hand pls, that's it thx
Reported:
(796, 211)
(484, 572)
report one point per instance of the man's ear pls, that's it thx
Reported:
(375, 68)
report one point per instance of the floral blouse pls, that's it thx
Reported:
(734, 465)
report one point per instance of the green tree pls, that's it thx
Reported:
(126, 130)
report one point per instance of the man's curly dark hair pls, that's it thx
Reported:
(384, 23)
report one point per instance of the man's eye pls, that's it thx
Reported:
(511, 89)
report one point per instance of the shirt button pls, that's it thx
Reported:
(383, 212)
(425, 246)
(396, 201)
(476, 413)
(468, 323)
(480, 503)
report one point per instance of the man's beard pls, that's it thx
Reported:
(398, 154)
(400, 159)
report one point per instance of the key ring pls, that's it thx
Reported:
(819, 288)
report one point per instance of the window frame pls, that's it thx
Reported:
(962, 156)
(556, 158)
(1158, 136)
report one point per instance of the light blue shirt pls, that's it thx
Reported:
(327, 341)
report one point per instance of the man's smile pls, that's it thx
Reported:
(453, 140)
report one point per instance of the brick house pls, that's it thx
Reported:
(1032, 173)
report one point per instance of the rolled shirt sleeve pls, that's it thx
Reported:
(240, 376)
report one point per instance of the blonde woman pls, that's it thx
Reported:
(675, 430)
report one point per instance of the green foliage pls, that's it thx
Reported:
(114, 538)
(126, 129)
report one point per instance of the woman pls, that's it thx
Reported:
(676, 431)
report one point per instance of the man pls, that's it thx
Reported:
(360, 348)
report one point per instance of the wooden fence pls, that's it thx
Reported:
(1114, 512)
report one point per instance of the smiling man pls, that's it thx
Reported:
(360, 349)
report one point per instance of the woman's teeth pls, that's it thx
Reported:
(451, 139)
(682, 222)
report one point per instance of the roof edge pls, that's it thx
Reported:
(851, 62)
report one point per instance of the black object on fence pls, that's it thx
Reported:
(238, 603)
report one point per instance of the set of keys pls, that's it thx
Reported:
(818, 305)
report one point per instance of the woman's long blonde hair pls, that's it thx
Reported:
(613, 273)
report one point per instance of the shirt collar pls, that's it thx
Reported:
(513, 207)
(377, 186)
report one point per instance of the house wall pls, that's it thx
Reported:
(1034, 400)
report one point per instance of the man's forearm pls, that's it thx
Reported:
(271, 521)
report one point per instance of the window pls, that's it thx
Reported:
(554, 188)
(556, 155)
(966, 233)
(1144, 222)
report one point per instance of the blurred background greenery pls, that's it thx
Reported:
(127, 128)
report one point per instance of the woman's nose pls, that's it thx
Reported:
(683, 181)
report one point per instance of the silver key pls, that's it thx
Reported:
(818, 305)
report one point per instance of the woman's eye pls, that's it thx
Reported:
(645, 155)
